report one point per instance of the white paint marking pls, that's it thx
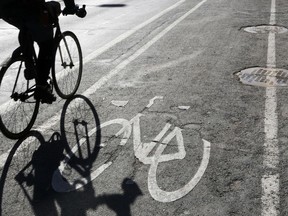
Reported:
(184, 107)
(270, 181)
(169, 196)
(141, 151)
(151, 102)
(119, 103)
(271, 53)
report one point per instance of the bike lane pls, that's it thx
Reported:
(225, 112)
(199, 95)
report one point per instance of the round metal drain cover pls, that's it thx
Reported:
(265, 77)
(264, 29)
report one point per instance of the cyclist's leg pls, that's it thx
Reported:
(19, 22)
(45, 60)
(42, 31)
(43, 35)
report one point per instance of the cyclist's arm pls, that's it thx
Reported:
(70, 7)
(69, 3)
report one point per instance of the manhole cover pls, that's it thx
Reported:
(263, 29)
(265, 77)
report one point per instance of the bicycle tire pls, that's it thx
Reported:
(67, 77)
(14, 112)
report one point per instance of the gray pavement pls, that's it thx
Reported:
(164, 127)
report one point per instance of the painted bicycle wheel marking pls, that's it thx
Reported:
(167, 196)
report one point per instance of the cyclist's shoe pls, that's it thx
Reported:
(29, 74)
(44, 94)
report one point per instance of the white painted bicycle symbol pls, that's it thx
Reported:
(143, 152)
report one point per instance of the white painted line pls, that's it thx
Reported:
(169, 196)
(270, 180)
(184, 107)
(151, 102)
(271, 200)
(271, 53)
(162, 133)
(119, 103)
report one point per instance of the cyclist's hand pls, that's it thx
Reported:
(80, 12)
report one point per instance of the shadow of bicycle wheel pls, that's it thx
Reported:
(27, 173)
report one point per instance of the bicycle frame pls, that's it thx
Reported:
(58, 36)
(27, 46)
(23, 96)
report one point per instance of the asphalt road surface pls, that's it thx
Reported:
(182, 110)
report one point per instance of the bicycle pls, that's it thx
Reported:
(18, 113)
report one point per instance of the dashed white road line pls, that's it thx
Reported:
(270, 180)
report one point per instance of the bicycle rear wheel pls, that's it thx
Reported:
(18, 108)
(68, 65)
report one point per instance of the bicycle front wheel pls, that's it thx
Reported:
(68, 65)
(18, 108)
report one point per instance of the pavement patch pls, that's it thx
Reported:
(265, 29)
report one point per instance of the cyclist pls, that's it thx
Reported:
(36, 16)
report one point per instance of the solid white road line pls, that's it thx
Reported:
(270, 179)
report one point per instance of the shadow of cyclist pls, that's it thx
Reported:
(34, 186)
(26, 179)
(27, 175)
(32, 162)
(120, 203)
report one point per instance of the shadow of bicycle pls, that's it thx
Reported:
(26, 180)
